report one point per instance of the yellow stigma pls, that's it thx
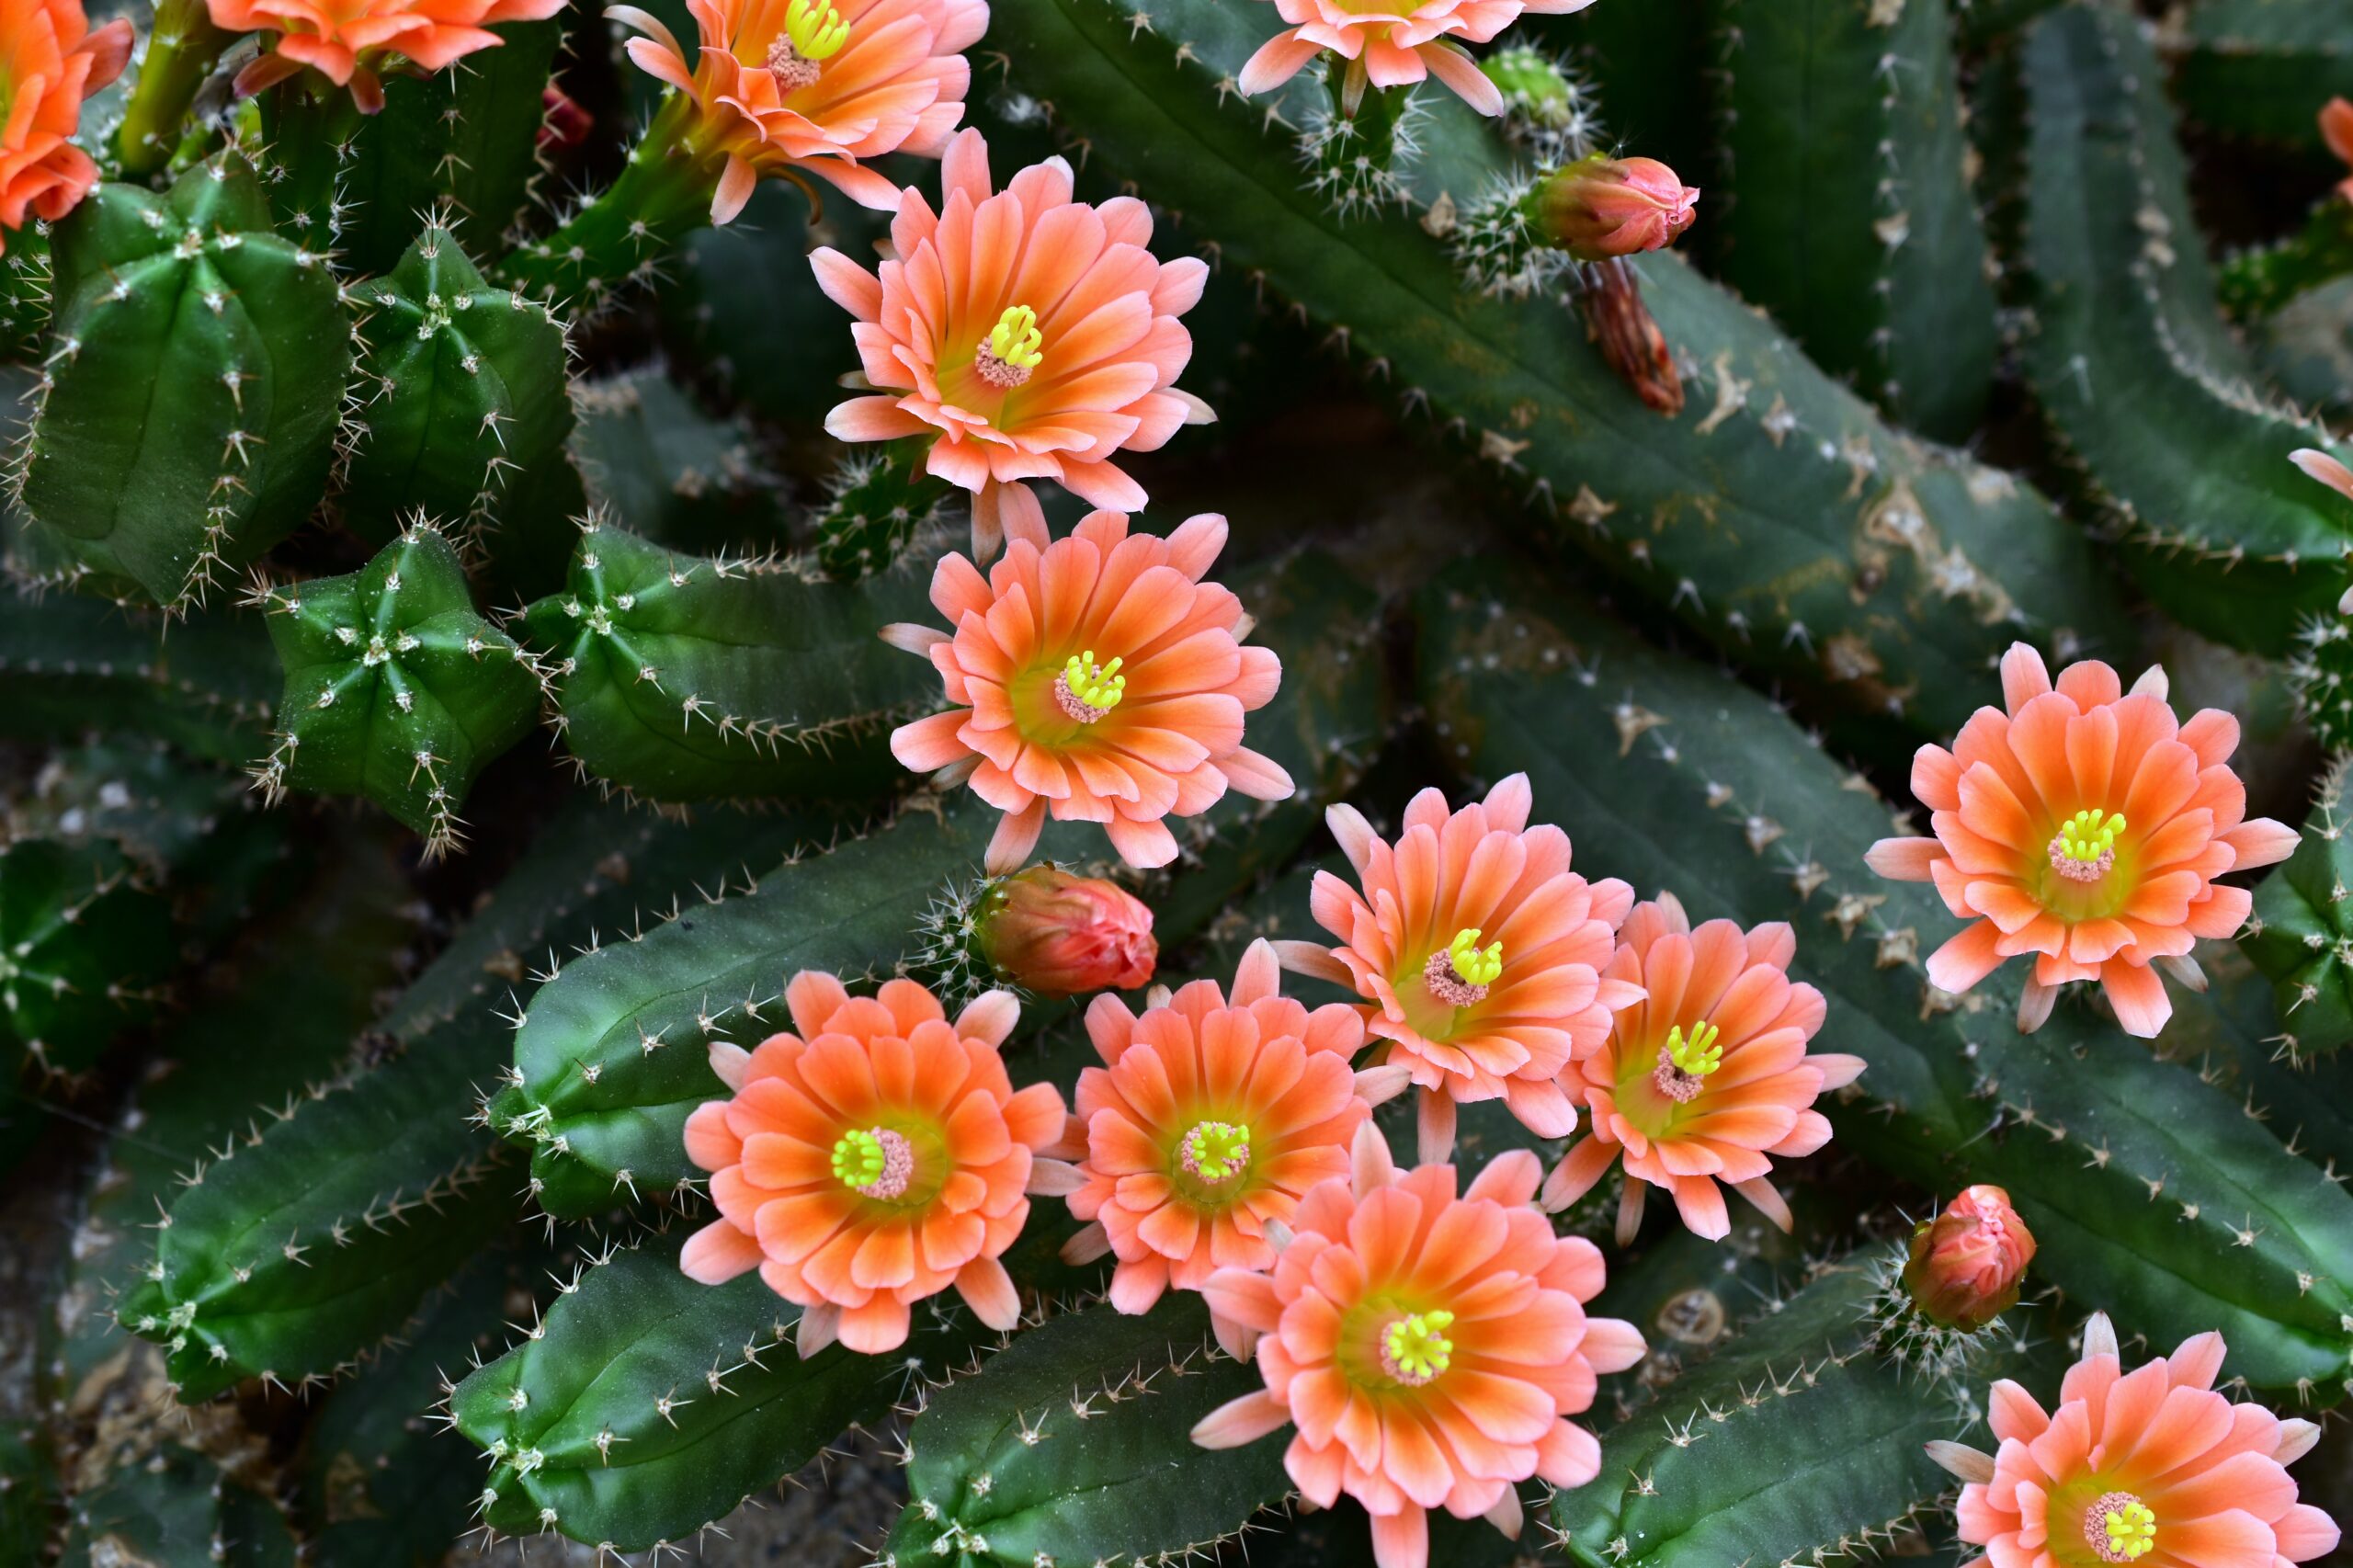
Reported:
(857, 1159)
(1697, 1054)
(1415, 1349)
(1015, 338)
(816, 29)
(1099, 687)
(2087, 836)
(1476, 968)
(2130, 1531)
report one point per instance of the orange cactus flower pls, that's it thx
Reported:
(1479, 954)
(1097, 678)
(1207, 1124)
(350, 41)
(871, 1160)
(2337, 129)
(2087, 826)
(49, 63)
(1032, 336)
(2150, 1466)
(1386, 47)
(1429, 1346)
(815, 86)
(1708, 1077)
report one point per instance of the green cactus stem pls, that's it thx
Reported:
(1073, 1445)
(1849, 212)
(69, 665)
(183, 48)
(2140, 379)
(2152, 1192)
(395, 687)
(620, 238)
(188, 412)
(464, 389)
(2259, 282)
(2301, 934)
(24, 291)
(1778, 517)
(669, 472)
(879, 502)
(85, 948)
(688, 678)
(180, 1508)
(2263, 68)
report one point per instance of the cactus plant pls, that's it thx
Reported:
(1082, 1037)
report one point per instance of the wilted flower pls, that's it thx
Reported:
(351, 41)
(1629, 336)
(1706, 1077)
(1601, 207)
(1059, 935)
(2151, 1467)
(1097, 678)
(1428, 1347)
(1393, 48)
(49, 63)
(814, 87)
(2086, 827)
(874, 1158)
(1210, 1121)
(1967, 1262)
(1027, 336)
(1478, 952)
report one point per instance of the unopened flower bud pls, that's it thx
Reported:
(1059, 934)
(1601, 207)
(1967, 1262)
(1630, 337)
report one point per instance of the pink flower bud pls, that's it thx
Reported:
(1966, 1263)
(1601, 207)
(1059, 934)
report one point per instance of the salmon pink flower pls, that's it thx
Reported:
(1059, 935)
(49, 63)
(819, 88)
(351, 41)
(871, 1160)
(1707, 1077)
(1208, 1122)
(2151, 1467)
(1394, 47)
(1478, 952)
(1601, 207)
(1427, 1347)
(1098, 679)
(2337, 129)
(1966, 1265)
(2087, 826)
(1027, 336)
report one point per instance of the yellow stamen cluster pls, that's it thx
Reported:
(857, 1159)
(816, 30)
(1016, 339)
(1475, 967)
(2122, 1528)
(1697, 1054)
(1414, 1348)
(1216, 1151)
(2087, 836)
(1099, 687)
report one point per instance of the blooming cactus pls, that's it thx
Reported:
(49, 62)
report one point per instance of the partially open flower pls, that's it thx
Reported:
(815, 87)
(2085, 825)
(1393, 48)
(1478, 952)
(1097, 678)
(1706, 1079)
(351, 42)
(2150, 1467)
(1427, 1347)
(49, 63)
(1059, 935)
(1601, 207)
(1029, 335)
(1211, 1118)
(1967, 1262)
(873, 1159)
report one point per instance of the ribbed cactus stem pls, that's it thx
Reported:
(620, 236)
(882, 500)
(183, 48)
(2258, 282)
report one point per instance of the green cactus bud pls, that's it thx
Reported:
(1537, 94)
(2302, 935)
(2150, 1190)
(881, 501)
(465, 391)
(85, 947)
(687, 678)
(2134, 367)
(395, 687)
(179, 1508)
(1075, 1445)
(1855, 224)
(177, 441)
(2260, 69)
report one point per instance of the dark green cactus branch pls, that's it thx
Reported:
(2263, 68)
(85, 948)
(183, 48)
(69, 665)
(620, 238)
(2301, 934)
(1778, 516)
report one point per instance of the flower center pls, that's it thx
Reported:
(2083, 849)
(1215, 1153)
(813, 32)
(1013, 348)
(873, 1161)
(1414, 1348)
(2119, 1528)
(1085, 691)
(1685, 1061)
(1460, 973)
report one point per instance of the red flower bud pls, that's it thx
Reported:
(1629, 336)
(1966, 1263)
(563, 124)
(1601, 207)
(1059, 934)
